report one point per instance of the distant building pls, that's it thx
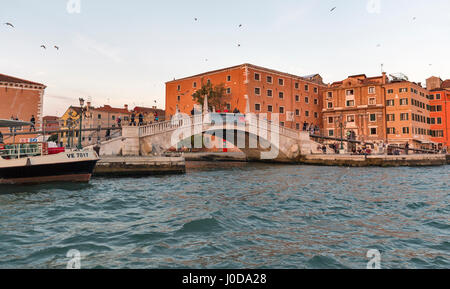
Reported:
(21, 99)
(379, 110)
(440, 110)
(356, 107)
(297, 99)
(151, 115)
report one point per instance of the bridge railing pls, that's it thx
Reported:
(183, 122)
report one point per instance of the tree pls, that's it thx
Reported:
(217, 97)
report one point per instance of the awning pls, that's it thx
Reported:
(13, 123)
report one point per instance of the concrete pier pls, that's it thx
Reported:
(376, 161)
(117, 166)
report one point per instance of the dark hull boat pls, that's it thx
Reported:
(73, 166)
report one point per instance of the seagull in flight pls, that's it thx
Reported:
(196, 19)
(56, 47)
(43, 46)
(240, 25)
(9, 24)
(239, 45)
(332, 9)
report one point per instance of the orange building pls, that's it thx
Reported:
(21, 99)
(297, 99)
(440, 110)
(378, 110)
(408, 114)
(356, 107)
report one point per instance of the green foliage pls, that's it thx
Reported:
(217, 97)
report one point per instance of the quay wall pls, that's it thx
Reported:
(139, 166)
(375, 161)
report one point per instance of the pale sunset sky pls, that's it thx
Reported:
(123, 52)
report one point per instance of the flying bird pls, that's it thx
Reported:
(378, 45)
(332, 9)
(240, 25)
(414, 18)
(195, 19)
(9, 24)
(56, 47)
(43, 46)
(239, 45)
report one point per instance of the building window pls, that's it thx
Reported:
(390, 102)
(316, 90)
(373, 131)
(208, 81)
(269, 108)
(297, 112)
(403, 90)
(269, 79)
(179, 87)
(306, 87)
(281, 81)
(438, 96)
(307, 113)
(194, 84)
(113, 117)
(269, 93)
(439, 108)
(257, 90)
(257, 107)
(229, 78)
(99, 116)
(404, 116)
(350, 118)
(330, 105)
(391, 130)
(350, 103)
(316, 115)
(281, 95)
(371, 90)
(316, 101)
(282, 124)
(404, 101)
(281, 109)
(179, 98)
(439, 120)
(349, 92)
(306, 99)
(373, 117)
(331, 132)
(296, 85)
(372, 101)
(390, 91)
(297, 98)
(228, 90)
(406, 130)
(330, 120)
(257, 77)
(330, 94)
(297, 126)
(390, 117)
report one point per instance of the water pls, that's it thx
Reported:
(234, 216)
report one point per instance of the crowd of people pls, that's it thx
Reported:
(138, 120)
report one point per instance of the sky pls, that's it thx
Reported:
(122, 52)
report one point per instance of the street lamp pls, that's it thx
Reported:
(80, 146)
(340, 122)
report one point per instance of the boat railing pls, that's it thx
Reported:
(22, 150)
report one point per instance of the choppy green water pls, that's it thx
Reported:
(234, 216)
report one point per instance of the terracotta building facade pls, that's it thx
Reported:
(440, 110)
(21, 99)
(297, 99)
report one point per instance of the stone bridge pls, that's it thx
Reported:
(259, 139)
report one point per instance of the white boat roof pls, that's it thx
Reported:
(13, 123)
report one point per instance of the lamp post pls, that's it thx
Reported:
(340, 122)
(80, 146)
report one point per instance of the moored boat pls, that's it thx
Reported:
(35, 163)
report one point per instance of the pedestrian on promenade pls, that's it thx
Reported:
(156, 116)
(305, 126)
(324, 149)
(141, 119)
(1, 137)
(133, 120)
(33, 123)
(407, 148)
(119, 121)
